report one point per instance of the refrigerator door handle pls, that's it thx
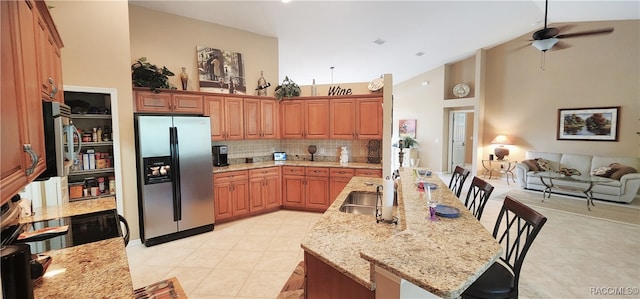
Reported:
(175, 161)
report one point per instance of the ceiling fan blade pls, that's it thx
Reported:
(584, 33)
(565, 28)
(545, 33)
(560, 46)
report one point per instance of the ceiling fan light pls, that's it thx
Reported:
(545, 44)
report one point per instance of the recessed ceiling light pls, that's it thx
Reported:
(286, 1)
(379, 41)
(419, 53)
(425, 83)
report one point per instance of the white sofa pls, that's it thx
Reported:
(623, 190)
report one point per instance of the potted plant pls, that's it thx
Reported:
(409, 142)
(145, 74)
(288, 89)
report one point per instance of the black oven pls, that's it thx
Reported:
(82, 229)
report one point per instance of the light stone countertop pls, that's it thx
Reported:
(94, 270)
(442, 257)
(256, 165)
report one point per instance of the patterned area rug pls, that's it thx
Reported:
(294, 287)
(624, 213)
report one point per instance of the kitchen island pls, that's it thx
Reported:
(442, 257)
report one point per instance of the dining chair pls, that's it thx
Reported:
(516, 228)
(457, 180)
(477, 197)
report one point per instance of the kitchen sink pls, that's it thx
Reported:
(360, 203)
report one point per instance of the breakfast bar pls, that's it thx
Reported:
(441, 257)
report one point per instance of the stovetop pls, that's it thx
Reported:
(82, 229)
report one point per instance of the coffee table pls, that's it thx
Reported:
(589, 180)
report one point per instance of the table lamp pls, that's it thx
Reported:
(501, 151)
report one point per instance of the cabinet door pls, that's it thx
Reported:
(292, 119)
(336, 185)
(214, 108)
(32, 99)
(187, 103)
(293, 191)
(240, 191)
(272, 191)
(223, 207)
(234, 123)
(369, 118)
(371, 173)
(256, 194)
(49, 60)
(13, 166)
(317, 192)
(342, 123)
(317, 119)
(269, 117)
(252, 119)
(153, 102)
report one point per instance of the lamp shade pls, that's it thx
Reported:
(545, 44)
(501, 139)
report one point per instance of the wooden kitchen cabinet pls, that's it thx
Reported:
(307, 119)
(338, 179)
(23, 154)
(167, 102)
(371, 173)
(260, 117)
(293, 192)
(230, 194)
(264, 189)
(317, 188)
(227, 117)
(49, 60)
(359, 118)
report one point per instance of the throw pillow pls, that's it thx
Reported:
(603, 171)
(619, 170)
(543, 164)
(533, 164)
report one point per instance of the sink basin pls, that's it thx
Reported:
(360, 203)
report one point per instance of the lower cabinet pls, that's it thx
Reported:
(231, 194)
(338, 179)
(371, 173)
(305, 187)
(264, 189)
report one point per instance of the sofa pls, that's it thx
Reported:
(623, 188)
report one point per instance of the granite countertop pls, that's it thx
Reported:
(95, 270)
(442, 257)
(256, 165)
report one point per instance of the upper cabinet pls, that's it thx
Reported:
(168, 102)
(226, 114)
(25, 64)
(359, 118)
(260, 117)
(308, 118)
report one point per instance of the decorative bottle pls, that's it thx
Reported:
(184, 78)
(262, 85)
(314, 89)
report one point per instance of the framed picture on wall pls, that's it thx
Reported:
(407, 127)
(220, 71)
(593, 124)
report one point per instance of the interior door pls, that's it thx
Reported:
(458, 146)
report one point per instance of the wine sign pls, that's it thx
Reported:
(337, 91)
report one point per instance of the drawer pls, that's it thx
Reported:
(372, 173)
(264, 172)
(292, 170)
(342, 172)
(316, 171)
(230, 176)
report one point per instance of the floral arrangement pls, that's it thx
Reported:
(145, 74)
(288, 89)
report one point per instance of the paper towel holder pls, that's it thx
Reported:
(380, 200)
(394, 220)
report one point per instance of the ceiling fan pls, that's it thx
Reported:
(548, 37)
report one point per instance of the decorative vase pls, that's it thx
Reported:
(312, 150)
(262, 85)
(344, 155)
(184, 78)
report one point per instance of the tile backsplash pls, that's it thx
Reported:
(296, 149)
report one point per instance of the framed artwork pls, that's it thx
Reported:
(594, 124)
(220, 71)
(407, 127)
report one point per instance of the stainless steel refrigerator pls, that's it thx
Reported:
(175, 186)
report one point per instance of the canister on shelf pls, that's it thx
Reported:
(112, 185)
(101, 186)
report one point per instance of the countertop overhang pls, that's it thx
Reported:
(257, 165)
(443, 257)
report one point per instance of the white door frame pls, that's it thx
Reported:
(450, 137)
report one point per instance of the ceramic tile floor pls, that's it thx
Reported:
(573, 257)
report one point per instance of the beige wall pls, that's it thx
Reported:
(522, 100)
(96, 54)
(170, 40)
